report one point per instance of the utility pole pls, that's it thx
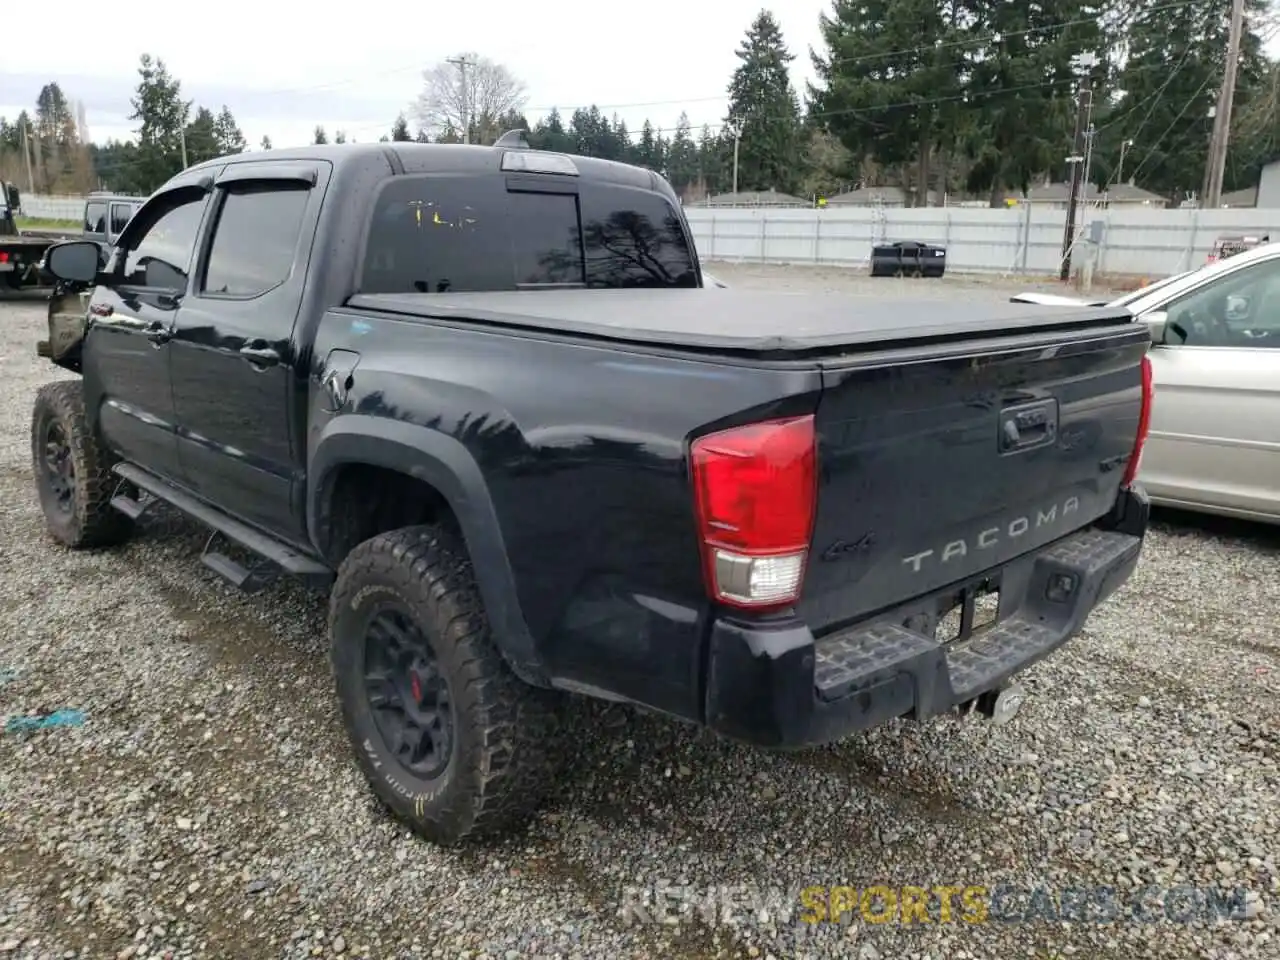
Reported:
(1124, 147)
(182, 139)
(1084, 101)
(466, 97)
(26, 153)
(1089, 137)
(737, 139)
(1221, 136)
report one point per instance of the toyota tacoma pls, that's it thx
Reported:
(477, 394)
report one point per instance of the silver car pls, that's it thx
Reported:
(1214, 444)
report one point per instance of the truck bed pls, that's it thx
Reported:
(755, 322)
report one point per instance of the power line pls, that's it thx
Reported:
(1173, 123)
(980, 40)
(994, 36)
(1155, 103)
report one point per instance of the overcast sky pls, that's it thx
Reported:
(282, 69)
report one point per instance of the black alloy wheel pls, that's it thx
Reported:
(408, 695)
(59, 468)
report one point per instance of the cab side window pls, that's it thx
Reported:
(1240, 309)
(95, 218)
(160, 256)
(256, 238)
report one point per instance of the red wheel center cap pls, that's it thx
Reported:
(415, 687)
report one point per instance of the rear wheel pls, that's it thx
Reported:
(73, 471)
(449, 738)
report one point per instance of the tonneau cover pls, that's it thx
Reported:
(735, 319)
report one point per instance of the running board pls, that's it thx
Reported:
(314, 572)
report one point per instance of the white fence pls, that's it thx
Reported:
(1016, 240)
(52, 208)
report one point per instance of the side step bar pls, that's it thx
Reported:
(312, 571)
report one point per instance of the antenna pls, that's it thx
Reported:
(514, 139)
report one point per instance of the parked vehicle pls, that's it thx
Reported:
(107, 214)
(479, 394)
(1229, 246)
(1215, 432)
(20, 251)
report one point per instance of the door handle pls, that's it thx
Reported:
(158, 333)
(260, 356)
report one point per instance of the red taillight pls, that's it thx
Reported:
(1144, 424)
(4, 257)
(754, 491)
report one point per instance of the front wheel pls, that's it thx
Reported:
(448, 737)
(73, 471)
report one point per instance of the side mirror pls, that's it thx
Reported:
(1156, 320)
(75, 261)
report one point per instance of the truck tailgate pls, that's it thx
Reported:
(938, 463)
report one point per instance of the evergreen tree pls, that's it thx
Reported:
(549, 134)
(117, 167)
(649, 149)
(592, 134)
(1169, 85)
(202, 137)
(682, 156)
(320, 135)
(266, 143)
(161, 114)
(623, 149)
(230, 137)
(422, 136)
(400, 130)
(715, 162)
(340, 137)
(827, 164)
(1021, 102)
(763, 109)
(889, 69)
(449, 134)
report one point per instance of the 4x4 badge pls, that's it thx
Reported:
(845, 548)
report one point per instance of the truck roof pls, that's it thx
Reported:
(758, 322)
(415, 157)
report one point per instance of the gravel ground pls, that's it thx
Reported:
(209, 807)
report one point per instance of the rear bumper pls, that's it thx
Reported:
(776, 686)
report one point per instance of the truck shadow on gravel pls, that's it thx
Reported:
(1263, 537)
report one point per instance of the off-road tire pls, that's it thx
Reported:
(501, 758)
(88, 519)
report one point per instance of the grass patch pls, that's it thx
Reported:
(43, 223)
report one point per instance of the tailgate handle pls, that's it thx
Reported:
(1028, 426)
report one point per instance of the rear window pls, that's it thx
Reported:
(461, 234)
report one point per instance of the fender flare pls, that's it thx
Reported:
(443, 462)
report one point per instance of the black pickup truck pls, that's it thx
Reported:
(482, 395)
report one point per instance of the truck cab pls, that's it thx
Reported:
(106, 215)
(9, 206)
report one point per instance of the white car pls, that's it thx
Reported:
(1214, 444)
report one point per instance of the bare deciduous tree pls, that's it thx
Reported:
(491, 92)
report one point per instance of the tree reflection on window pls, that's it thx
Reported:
(626, 249)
